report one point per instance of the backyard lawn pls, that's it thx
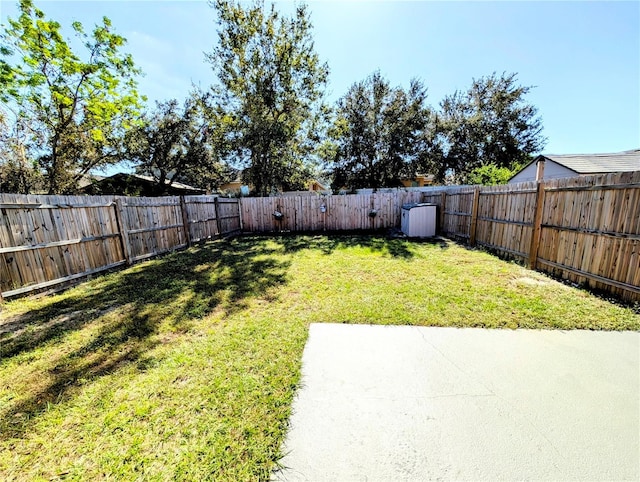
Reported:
(184, 367)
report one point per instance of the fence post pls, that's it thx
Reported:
(216, 206)
(474, 217)
(324, 213)
(536, 228)
(122, 228)
(372, 204)
(185, 220)
(443, 205)
(240, 222)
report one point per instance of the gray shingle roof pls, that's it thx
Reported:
(599, 163)
(175, 184)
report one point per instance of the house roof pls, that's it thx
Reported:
(174, 184)
(88, 179)
(598, 163)
(123, 178)
(323, 183)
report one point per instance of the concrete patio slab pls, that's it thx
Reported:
(415, 403)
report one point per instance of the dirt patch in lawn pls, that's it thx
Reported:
(527, 281)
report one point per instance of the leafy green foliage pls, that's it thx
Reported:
(383, 134)
(18, 173)
(19, 177)
(174, 144)
(490, 174)
(269, 92)
(76, 109)
(380, 134)
(491, 123)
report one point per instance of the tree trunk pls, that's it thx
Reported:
(53, 171)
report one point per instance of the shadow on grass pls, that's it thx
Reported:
(124, 311)
(128, 313)
(201, 279)
(396, 247)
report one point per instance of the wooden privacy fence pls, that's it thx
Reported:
(584, 229)
(325, 213)
(47, 240)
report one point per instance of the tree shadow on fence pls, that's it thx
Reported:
(124, 312)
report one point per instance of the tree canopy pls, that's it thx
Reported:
(269, 89)
(489, 124)
(491, 175)
(177, 144)
(69, 111)
(380, 133)
(383, 134)
(75, 109)
(17, 173)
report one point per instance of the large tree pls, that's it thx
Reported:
(76, 108)
(177, 144)
(489, 124)
(381, 134)
(269, 91)
(18, 172)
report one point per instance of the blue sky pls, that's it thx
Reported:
(582, 57)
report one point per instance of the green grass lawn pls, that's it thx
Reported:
(184, 367)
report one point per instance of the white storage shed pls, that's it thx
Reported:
(418, 220)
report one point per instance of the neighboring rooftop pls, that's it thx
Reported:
(572, 165)
(598, 163)
(129, 184)
(174, 184)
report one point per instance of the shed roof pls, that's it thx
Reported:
(598, 163)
